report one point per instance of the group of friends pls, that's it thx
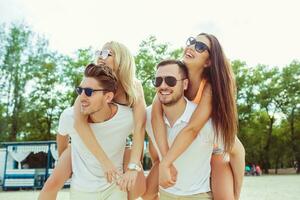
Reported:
(191, 126)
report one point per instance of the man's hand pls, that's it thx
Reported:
(127, 181)
(167, 175)
(111, 172)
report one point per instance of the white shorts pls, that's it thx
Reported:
(111, 193)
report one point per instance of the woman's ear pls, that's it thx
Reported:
(207, 63)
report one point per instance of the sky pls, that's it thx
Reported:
(255, 31)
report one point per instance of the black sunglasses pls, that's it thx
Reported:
(169, 80)
(88, 91)
(199, 46)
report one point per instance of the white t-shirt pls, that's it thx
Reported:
(88, 175)
(193, 165)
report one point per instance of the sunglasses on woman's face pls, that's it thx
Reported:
(103, 54)
(169, 80)
(88, 91)
(199, 46)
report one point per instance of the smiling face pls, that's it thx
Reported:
(96, 101)
(109, 60)
(195, 59)
(170, 95)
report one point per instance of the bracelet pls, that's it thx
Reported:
(134, 167)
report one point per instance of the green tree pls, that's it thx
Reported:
(250, 120)
(46, 99)
(290, 84)
(267, 89)
(16, 45)
(3, 122)
(72, 72)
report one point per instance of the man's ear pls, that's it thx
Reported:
(109, 96)
(185, 84)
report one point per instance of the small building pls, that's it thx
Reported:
(27, 164)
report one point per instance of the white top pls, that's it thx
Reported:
(193, 165)
(88, 175)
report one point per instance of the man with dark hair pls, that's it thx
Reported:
(110, 122)
(191, 171)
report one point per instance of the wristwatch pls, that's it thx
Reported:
(134, 167)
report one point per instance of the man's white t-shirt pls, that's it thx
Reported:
(193, 165)
(88, 175)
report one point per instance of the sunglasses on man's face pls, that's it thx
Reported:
(199, 46)
(103, 54)
(88, 91)
(169, 80)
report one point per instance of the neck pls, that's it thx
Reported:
(194, 79)
(103, 114)
(174, 111)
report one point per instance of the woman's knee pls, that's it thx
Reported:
(53, 184)
(150, 196)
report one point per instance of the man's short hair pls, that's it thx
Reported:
(182, 67)
(104, 75)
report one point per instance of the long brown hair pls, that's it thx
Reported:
(221, 78)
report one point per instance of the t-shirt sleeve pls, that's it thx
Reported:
(65, 122)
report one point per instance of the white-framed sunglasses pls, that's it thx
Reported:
(103, 54)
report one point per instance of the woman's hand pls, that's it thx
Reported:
(111, 172)
(79, 117)
(127, 181)
(167, 175)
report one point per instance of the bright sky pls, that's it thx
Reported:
(255, 31)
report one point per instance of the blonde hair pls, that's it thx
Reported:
(125, 72)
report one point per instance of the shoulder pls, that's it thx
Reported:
(66, 121)
(123, 109)
(124, 114)
(67, 113)
(191, 105)
(190, 108)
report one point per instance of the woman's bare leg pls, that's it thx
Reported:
(61, 173)
(152, 184)
(221, 179)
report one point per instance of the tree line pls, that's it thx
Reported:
(37, 83)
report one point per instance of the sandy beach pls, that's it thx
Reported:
(255, 188)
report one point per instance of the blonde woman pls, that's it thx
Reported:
(130, 93)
